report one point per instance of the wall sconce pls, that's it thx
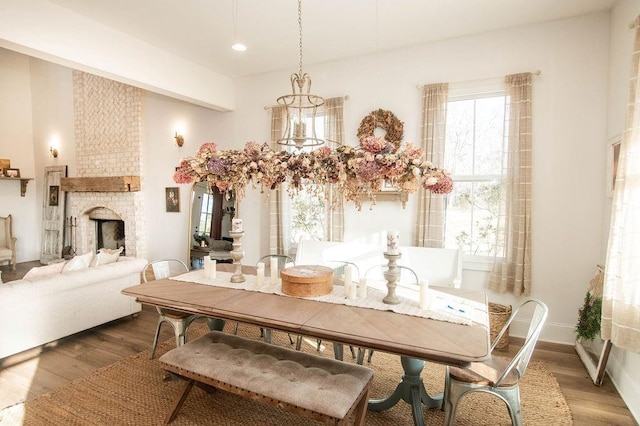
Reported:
(53, 151)
(179, 139)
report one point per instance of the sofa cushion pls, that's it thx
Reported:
(106, 256)
(78, 262)
(40, 271)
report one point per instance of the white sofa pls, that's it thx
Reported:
(49, 303)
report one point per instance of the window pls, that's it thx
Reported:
(475, 132)
(307, 218)
(206, 209)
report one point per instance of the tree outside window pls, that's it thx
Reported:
(308, 207)
(475, 132)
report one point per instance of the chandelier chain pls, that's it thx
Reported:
(300, 35)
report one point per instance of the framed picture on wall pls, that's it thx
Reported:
(12, 173)
(54, 194)
(172, 196)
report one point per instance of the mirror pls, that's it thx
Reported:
(210, 217)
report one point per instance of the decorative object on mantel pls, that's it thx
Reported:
(11, 173)
(237, 254)
(23, 182)
(353, 171)
(301, 105)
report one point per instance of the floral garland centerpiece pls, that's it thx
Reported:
(354, 171)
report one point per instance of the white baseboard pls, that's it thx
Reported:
(552, 332)
(628, 388)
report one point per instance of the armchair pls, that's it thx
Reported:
(7, 242)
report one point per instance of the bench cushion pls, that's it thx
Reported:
(319, 384)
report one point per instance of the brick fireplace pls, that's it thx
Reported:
(108, 137)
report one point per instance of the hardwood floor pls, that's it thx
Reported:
(36, 372)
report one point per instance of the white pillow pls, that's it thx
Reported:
(40, 271)
(106, 256)
(78, 262)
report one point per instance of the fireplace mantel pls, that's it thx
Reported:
(101, 184)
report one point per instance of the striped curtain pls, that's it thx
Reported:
(512, 273)
(334, 136)
(279, 201)
(430, 223)
(278, 233)
(621, 295)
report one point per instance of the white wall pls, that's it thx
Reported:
(16, 144)
(52, 94)
(569, 127)
(623, 367)
(168, 232)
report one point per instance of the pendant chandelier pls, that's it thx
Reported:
(301, 105)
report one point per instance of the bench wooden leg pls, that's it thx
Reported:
(183, 395)
(361, 409)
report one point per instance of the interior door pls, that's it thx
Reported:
(53, 214)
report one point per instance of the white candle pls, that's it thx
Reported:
(212, 268)
(260, 279)
(362, 289)
(347, 281)
(236, 225)
(393, 242)
(424, 294)
(273, 278)
(352, 291)
(207, 265)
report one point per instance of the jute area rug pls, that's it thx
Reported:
(133, 392)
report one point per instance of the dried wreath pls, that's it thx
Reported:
(387, 121)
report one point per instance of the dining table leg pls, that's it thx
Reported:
(411, 390)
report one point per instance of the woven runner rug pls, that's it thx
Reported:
(133, 392)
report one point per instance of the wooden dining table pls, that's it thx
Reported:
(414, 338)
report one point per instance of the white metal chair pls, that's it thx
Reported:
(496, 376)
(282, 259)
(179, 320)
(7, 242)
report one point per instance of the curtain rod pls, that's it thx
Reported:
(535, 73)
(346, 98)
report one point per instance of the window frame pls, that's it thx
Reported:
(466, 92)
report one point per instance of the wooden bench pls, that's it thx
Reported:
(318, 388)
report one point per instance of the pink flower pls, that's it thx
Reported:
(207, 149)
(376, 144)
(444, 185)
(368, 171)
(184, 173)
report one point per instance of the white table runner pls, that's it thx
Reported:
(442, 306)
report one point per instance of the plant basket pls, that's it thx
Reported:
(498, 316)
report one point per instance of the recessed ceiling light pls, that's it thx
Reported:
(239, 47)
